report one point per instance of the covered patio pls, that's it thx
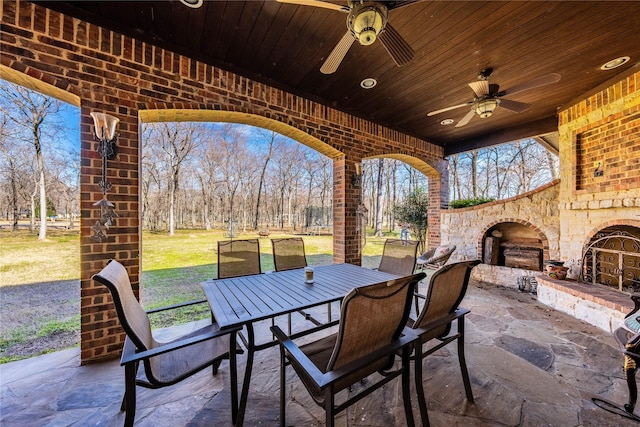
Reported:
(529, 366)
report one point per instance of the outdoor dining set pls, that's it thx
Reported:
(378, 334)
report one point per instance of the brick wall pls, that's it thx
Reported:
(600, 132)
(128, 78)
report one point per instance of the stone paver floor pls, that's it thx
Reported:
(529, 366)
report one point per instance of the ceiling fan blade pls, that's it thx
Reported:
(466, 119)
(400, 3)
(317, 3)
(397, 47)
(337, 54)
(515, 106)
(433, 113)
(480, 88)
(540, 81)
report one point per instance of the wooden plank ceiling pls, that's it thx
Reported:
(286, 44)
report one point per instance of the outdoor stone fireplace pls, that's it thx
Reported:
(589, 218)
(512, 244)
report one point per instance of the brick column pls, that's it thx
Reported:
(346, 198)
(101, 334)
(438, 202)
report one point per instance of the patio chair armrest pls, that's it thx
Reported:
(408, 338)
(174, 306)
(445, 320)
(311, 371)
(322, 380)
(130, 356)
(636, 302)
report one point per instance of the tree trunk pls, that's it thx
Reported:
(378, 228)
(43, 196)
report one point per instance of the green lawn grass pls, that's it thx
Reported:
(172, 269)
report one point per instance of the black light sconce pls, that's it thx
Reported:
(598, 172)
(356, 178)
(105, 134)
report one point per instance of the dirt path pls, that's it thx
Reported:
(24, 309)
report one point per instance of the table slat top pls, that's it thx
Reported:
(244, 299)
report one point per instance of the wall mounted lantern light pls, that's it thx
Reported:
(357, 176)
(105, 134)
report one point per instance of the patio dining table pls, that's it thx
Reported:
(242, 301)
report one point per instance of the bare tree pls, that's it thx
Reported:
(29, 110)
(177, 141)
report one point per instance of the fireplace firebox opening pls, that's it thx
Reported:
(511, 244)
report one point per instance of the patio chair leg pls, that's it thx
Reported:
(129, 400)
(329, 407)
(215, 366)
(630, 375)
(282, 386)
(422, 402)
(463, 363)
(406, 387)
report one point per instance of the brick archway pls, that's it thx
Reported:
(124, 77)
(628, 222)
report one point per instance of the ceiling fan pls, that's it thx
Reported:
(489, 96)
(367, 21)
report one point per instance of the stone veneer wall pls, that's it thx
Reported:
(133, 80)
(467, 227)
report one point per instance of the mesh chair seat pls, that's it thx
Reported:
(370, 333)
(288, 253)
(238, 258)
(399, 257)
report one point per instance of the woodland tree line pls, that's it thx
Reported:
(221, 175)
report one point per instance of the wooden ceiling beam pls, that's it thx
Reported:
(501, 136)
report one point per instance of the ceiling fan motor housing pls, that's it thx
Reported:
(366, 21)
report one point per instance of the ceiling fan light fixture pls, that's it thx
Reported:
(615, 63)
(485, 107)
(366, 22)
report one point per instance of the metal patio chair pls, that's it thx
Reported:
(288, 253)
(238, 258)
(165, 363)
(399, 257)
(369, 336)
(447, 287)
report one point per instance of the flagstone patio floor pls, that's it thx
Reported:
(529, 366)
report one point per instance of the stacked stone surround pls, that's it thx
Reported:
(467, 227)
(132, 80)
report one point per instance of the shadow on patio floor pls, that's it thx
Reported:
(529, 366)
